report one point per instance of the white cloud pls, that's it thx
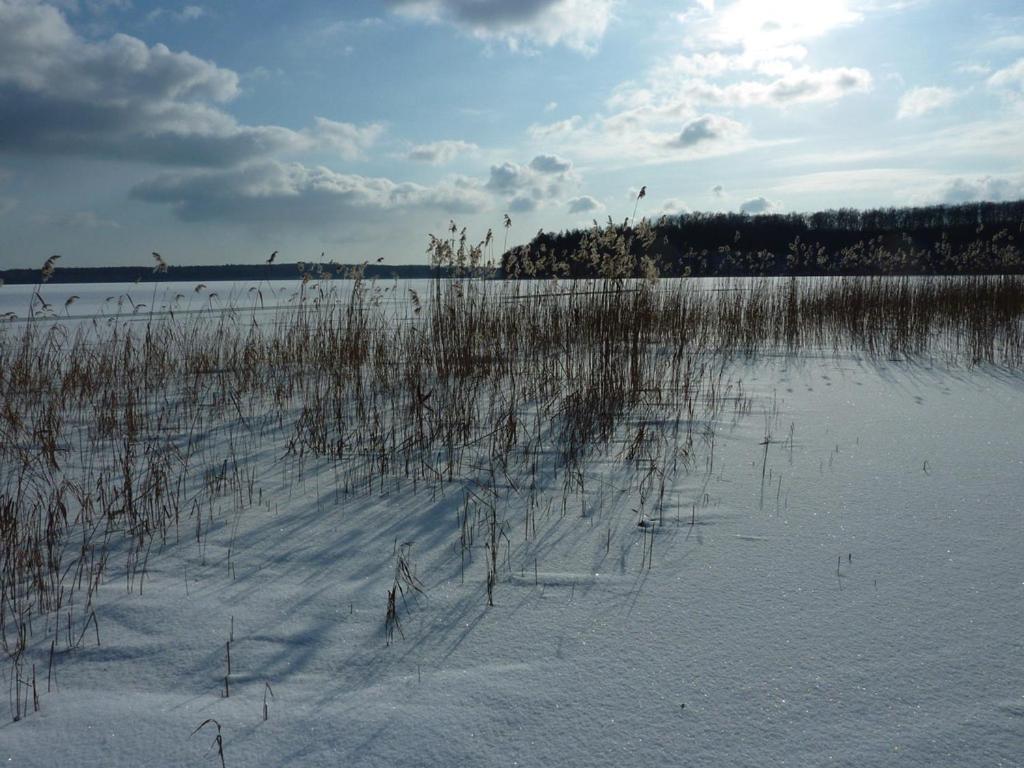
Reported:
(802, 85)
(974, 69)
(737, 55)
(1009, 80)
(121, 98)
(93, 6)
(584, 204)
(551, 106)
(987, 188)
(798, 85)
(864, 181)
(673, 207)
(343, 26)
(577, 24)
(1005, 43)
(40, 53)
(707, 128)
(766, 40)
(522, 204)
(901, 185)
(919, 101)
(759, 205)
(546, 177)
(647, 134)
(348, 140)
(550, 164)
(441, 152)
(557, 130)
(186, 13)
(272, 192)
(996, 140)
(767, 32)
(764, 45)
(508, 177)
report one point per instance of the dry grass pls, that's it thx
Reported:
(116, 439)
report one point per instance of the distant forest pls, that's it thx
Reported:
(977, 238)
(972, 238)
(204, 273)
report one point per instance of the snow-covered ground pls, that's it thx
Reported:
(849, 594)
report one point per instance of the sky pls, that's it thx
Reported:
(219, 132)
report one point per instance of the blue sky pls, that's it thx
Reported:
(218, 132)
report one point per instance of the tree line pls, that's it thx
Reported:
(210, 273)
(978, 238)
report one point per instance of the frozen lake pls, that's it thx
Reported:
(831, 574)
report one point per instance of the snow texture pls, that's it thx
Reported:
(854, 599)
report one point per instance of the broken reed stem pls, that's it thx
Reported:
(266, 690)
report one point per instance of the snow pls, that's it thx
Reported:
(857, 601)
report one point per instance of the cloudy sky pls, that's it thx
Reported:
(218, 132)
